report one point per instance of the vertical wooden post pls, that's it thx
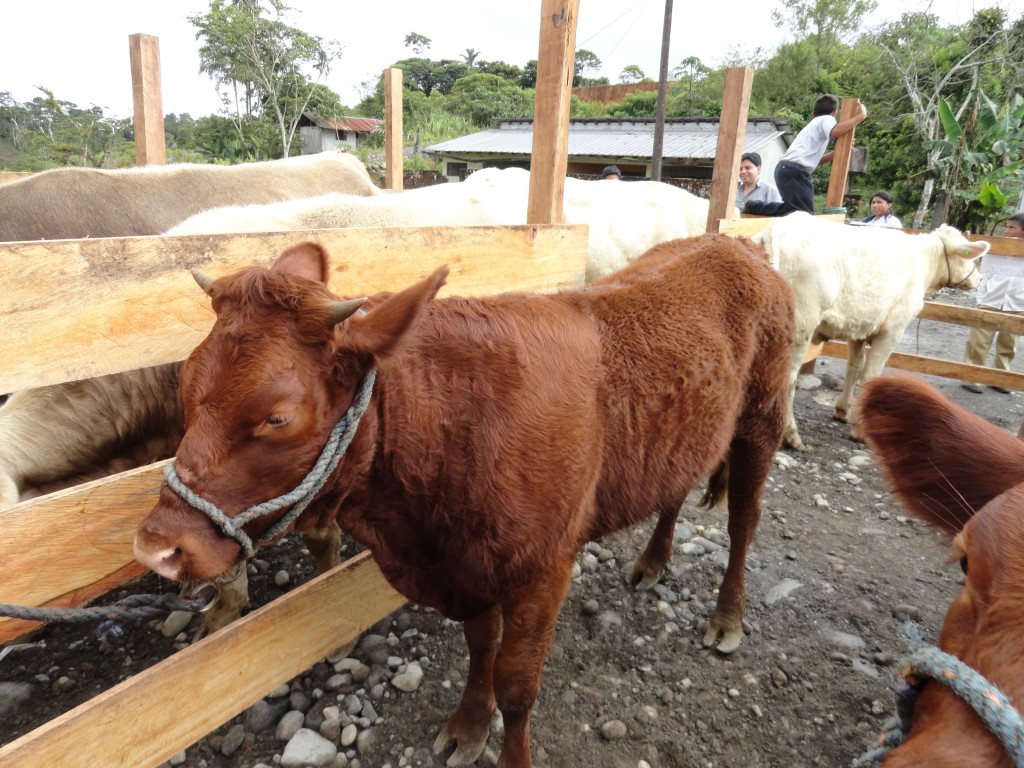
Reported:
(659, 112)
(394, 161)
(550, 158)
(147, 100)
(732, 129)
(841, 157)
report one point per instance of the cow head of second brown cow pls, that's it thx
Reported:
(262, 394)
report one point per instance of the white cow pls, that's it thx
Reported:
(861, 284)
(625, 219)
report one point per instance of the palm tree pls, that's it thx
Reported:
(470, 56)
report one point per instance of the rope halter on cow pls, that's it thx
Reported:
(989, 703)
(949, 271)
(299, 498)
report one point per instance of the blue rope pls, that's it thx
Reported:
(299, 498)
(991, 705)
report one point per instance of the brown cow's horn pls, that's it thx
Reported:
(342, 310)
(204, 281)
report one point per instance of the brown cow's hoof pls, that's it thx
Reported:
(723, 640)
(642, 577)
(466, 753)
(840, 414)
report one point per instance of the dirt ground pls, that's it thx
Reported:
(835, 571)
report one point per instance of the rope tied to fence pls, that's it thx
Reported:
(989, 703)
(300, 497)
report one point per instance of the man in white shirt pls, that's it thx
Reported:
(751, 185)
(793, 173)
(1001, 289)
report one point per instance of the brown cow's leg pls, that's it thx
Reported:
(750, 461)
(529, 626)
(651, 564)
(324, 544)
(468, 726)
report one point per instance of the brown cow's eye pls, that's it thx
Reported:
(963, 564)
(277, 420)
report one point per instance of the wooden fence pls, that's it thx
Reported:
(76, 309)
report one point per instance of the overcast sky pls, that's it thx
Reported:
(79, 50)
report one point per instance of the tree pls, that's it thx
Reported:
(824, 22)
(484, 98)
(933, 64)
(260, 64)
(585, 62)
(631, 73)
(418, 43)
(983, 158)
(509, 72)
(470, 57)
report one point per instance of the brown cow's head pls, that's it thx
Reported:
(964, 476)
(261, 395)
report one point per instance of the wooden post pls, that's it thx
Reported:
(732, 129)
(659, 112)
(550, 153)
(147, 99)
(841, 157)
(394, 161)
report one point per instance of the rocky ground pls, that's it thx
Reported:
(834, 574)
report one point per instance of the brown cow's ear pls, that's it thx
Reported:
(306, 259)
(382, 329)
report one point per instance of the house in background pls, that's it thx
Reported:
(688, 147)
(321, 134)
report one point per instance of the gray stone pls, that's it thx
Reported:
(613, 729)
(264, 714)
(175, 623)
(289, 725)
(232, 740)
(13, 696)
(781, 590)
(409, 680)
(307, 748)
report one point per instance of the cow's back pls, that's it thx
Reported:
(850, 280)
(86, 202)
(697, 330)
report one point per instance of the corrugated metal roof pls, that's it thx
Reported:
(360, 124)
(697, 139)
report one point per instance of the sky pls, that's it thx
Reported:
(80, 50)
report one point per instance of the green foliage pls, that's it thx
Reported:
(261, 66)
(481, 99)
(631, 73)
(983, 158)
(509, 72)
(578, 108)
(418, 43)
(636, 104)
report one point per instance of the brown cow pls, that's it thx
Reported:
(964, 476)
(501, 435)
(72, 203)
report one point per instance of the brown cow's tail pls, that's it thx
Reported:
(718, 486)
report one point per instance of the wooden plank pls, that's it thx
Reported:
(75, 309)
(144, 51)
(732, 129)
(213, 680)
(934, 367)
(1003, 246)
(550, 152)
(973, 317)
(394, 133)
(93, 552)
(748, 226)
(841, 157)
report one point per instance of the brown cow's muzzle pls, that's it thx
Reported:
(180, 543)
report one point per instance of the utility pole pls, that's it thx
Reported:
(659, 117)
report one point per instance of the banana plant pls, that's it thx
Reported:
(982, 158)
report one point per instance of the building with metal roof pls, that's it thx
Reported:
(688, 146)
(321, 134)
